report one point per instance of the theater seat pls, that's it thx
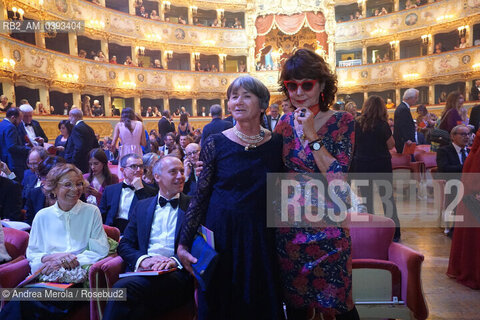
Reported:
(111, 270)
(386, 275)
(16, 243)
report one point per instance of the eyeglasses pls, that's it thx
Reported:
(72, 186)
(135, 167)
(306, 85)
(188, 154)
(463, 134)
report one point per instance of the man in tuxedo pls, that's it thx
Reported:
(165, 125)
(474, 93)
(273, 117)
(192, 155)
(169, 144)
(404, 128)
(217, 125)
(150, 243)
(118, 200)
(475, 118)
(4, 104)
(12, 151)
(31, 178)
(30, 128)
(81, 141)
(419, 137)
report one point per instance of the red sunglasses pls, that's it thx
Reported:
(306, 85)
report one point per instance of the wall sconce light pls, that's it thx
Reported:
(394, 44)
(129, 84)
(194, 9)
(96, 24)
(445, 17)
(411, 76)
(197, 55)
(70, 76)
(169, 54)
(8, 63)
(462, 31)
(426, 38)
(40, 2)
(183, 87)
(141, 50)
(20, 13)
(476, 66)
(166, 6)
(220, 13)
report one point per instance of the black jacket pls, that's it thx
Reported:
(81, 141)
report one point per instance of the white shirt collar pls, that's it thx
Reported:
(406, 104)
(76, 208)
(177, 196)
(458, 148)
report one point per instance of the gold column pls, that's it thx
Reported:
(396, 5)
(72, 44)
(102, 3)
(3, 11)
(468, 88)
(137, 105)
(430, 45)
(365, 96)
(77, 100)
(431, 94)
(134, 52)
(166, 104)
(131, 7)
(161, 11)
(194, 107)
(364, 53)
(164, 60)
(469, 35)
(190, 15)
(40, 39)
(107, 101)
(44, 97)
(398, 98)
(104, 48)
(192, 61)
(221, 63)
(222, 104)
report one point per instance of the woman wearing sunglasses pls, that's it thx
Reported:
(315, 261)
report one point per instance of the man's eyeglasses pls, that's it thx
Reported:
(135, 167)
(463, 134)
(189, 154)
(72, 186)
(306, 85)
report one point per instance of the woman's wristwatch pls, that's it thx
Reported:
(315, 145)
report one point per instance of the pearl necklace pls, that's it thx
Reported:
(251, 140)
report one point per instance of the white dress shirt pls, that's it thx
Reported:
(78, 231)
(126, 198)
(30, 133)
(162, 234)
(273, 123)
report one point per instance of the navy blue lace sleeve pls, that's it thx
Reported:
(199, 204)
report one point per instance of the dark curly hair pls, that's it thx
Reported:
(306, 64)
(374, 111)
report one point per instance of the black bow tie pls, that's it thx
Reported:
(163, 202)
(124, 185)
(28, 124)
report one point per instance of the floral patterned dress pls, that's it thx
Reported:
(316, 264)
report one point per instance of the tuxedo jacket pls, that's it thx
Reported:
(136, 237)
(165, 126)
(447, 159)
(12, 151)
(268, 125)
(475, 117)
(474, 93)
(403, 126)
(81, 141)
(28, 182)
(111, 200)
(22, 132)
(217, 125)
(10, 200)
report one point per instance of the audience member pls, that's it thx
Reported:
(149, 160)
(443, 97)
(452, 113)
(97, 109)
(475, 117)
(404, 128)
(142, 12)
(287, 106)
(237, 24)
(98, 177)
(157, 64)
(128, 61)
(439, 47)
(390, 104)
(12, 151)
(165, 125)
(203, 112)
(217, 125)
(192, 155)
(65, 128)
(273, 118)
(183, 141)
(474, 92)
(113, 60)
(181, 20)
(463, 43)
(29, 130)
(154, 15)
(101, 57)
(183, 125)
(426, 121)
(169, 145)
(82, 54)
(41, 109)
(119, 200)
(86, 108)
(80, 142)
(214, 68)
(150, 243)
(11, 199)
(31, 179)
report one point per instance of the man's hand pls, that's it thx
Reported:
(137, 183)
(186, 258)
(157, 263)
(198, 168)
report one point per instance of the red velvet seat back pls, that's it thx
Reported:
(429, 158)
(371, 239)
(16, 242)
(400, 160)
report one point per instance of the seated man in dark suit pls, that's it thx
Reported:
(12, 151)
(81, 141)
(450, 160)
(273, 117)
(192, 155)
(150, 243)
(118, 200)
(31, 178)
(217, 124)
(419, 137)
(30, 128)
